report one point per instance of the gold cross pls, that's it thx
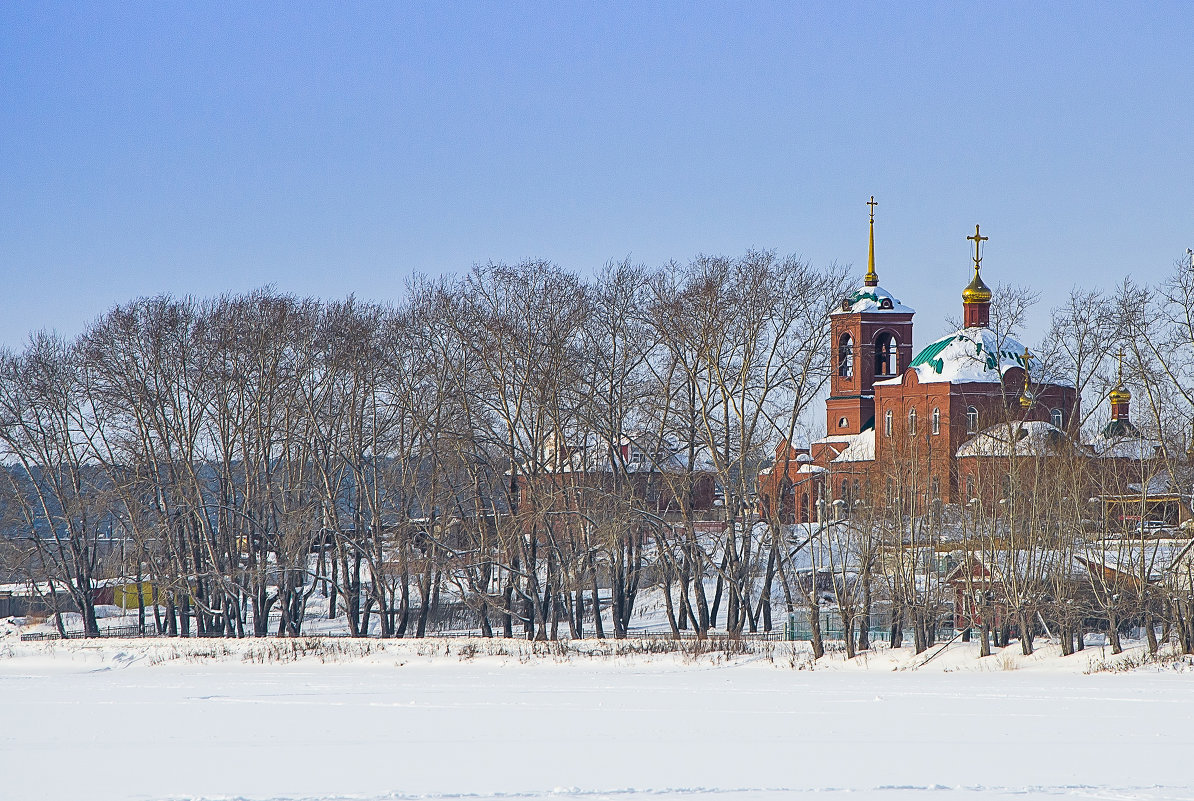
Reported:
(977, 240)
(1121, 365)
(872, 204)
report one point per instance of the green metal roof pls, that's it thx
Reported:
(929, 354)
(862, 294)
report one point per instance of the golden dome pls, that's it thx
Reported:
(976, 291)
(1120, 394)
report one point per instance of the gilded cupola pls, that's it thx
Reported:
(976, 297)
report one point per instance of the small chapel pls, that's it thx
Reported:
(923, 428)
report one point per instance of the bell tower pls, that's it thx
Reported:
(871, 337)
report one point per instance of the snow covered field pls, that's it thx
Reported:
(210, 720)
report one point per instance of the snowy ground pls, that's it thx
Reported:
(138, 719)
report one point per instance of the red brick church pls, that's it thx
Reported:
(915, 426)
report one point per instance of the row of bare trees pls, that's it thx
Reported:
(468, 446)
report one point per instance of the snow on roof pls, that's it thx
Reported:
(1180, 482)
(872, 299)
(971, 355)
(1033, 438)
(1126, 447)
(835, 439)
(1020, 563)
(1150, 557)
(861, 448)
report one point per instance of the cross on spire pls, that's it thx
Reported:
(871, 278)
(1026, 398)
(977, 239)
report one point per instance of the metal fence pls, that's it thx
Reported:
(114, 631)
(150, 632)
(452, 623)
(797, 627)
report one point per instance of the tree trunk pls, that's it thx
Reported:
(864, 625)
(814, 624)
(667, 603)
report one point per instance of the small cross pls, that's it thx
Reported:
(977, 240)
(872, 204)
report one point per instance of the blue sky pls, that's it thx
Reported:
(337, 148)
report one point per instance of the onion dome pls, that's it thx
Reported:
(976, 297)
(976, 291)
(1120, 395)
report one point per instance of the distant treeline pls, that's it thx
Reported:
(526, 441)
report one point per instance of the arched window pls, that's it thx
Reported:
(1057, 418)
(857, 491)
(936, 421)
(843, 422)
(887, 355)
(804, 518)
(887, 423)
(912, 422)
(935, 485)
(845, 356)
(969, 486)
(971, 420)
(845, 496)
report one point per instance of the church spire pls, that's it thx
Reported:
(872, 278)
(1120, 397)
(1026, 398)
(976, 297)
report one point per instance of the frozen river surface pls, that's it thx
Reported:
(111, 725)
